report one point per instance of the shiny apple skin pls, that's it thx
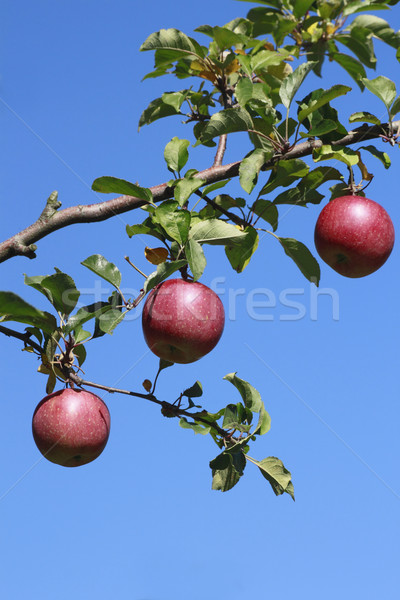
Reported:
(71, 427)
(182, 320)
(354, 235)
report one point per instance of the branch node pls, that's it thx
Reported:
(52, 205)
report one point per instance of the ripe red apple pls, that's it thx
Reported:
(71, 427)
(354, 235)
(182, 320)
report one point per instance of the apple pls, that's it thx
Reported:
(71, 427)
(182, 320)
(354, 235)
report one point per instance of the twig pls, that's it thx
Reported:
(220, 150)
(23, 243)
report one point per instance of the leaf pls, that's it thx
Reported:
(176, 154)
(215, 231)
(251, 397)
(84, 314)
(185, 187)
(264, 423)
(108, 185)
(196, 259)
(364, 117)
(225, 474)
(175, 222)
(395, 107)
(359, 41)
(353, 67)
(383, 88)
(250, 168)
(267, 211)
(175, 42)
(14, 308)
(80, 353)
(303, 258)
(110, 319)
(226, 121)
(157, 109)
(196, 427)
(326, 152)
(139, 229)
(62, 291)
(285, 173)
(156, 256)
(328, 95)
(379, 28)
(292, 82)
(163, 272)
(214, 186)
(277, 475)
(239, 255)
(300, 7)
(382, 156)
(103, 268)
(195, 391)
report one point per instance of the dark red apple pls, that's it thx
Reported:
(71, 427)
(182, 320)
(354, 235)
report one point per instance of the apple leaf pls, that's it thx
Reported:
(176, 44)
(325, 98)
(185, 187)
(84, 314)
(237, 417)
(227, 469)
(163, 272)
(196, 259)
(303, 258)
(379, 28)
(382, 156)
(108, 321)
(250, 168)
(229, 120)
(382, 87)
(176, 154)
(327, 152)
(251, 397)
(350, 64)
(61, 291)
(239, 255)
(103, 268)
(264, 422)
(195, 391)
(174, 221)
(364, 117)
(292, 82)
(267, 211)
(113, 185)
(215, 231)
(196, 427)
(214, 186)
(285, 173)
(14, 308)
(395, 107)
(276, 474)
(142, 228)
(157, 109)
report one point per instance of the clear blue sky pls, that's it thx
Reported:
(141, 522)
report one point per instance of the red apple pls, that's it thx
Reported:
(354, 235)
(71, 427)
(182, 320)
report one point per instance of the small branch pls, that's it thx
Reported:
(24, 337)
(221, 150)
(234, 218)
(22, 244)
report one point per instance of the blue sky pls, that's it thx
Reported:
(141, 522)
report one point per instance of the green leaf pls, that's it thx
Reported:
(359, 41)
(327, 152)
(175, 42)
(364, 117)
(109, 320)
(157, 109)
(264, 423)
(285, 173)
(185, 187)
(395, 107)
(175, 99)
(196, 427)
(239, 255)
(196, 259)
(226, 121)
(277, 475)
(175, 222)
(195, 391)
(176, 154)
(303, 258)
(235, 418)
(379, 28)
(35, 282)
(300, 7)
(382, 156)
(292, 82)
(226, 473)
(108, 185)
(84, 314)
(353, 67)
(215, 231)
(251, 397)
(267, 211)
(214, 186)
(139, 229)
(327, 96)
(224, 38)
(163, 272)
(62, 291)
(14, 308)
(80, 352)
(383, 88)
(103, 268)
(250, 168)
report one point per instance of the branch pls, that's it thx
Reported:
(51, 219)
